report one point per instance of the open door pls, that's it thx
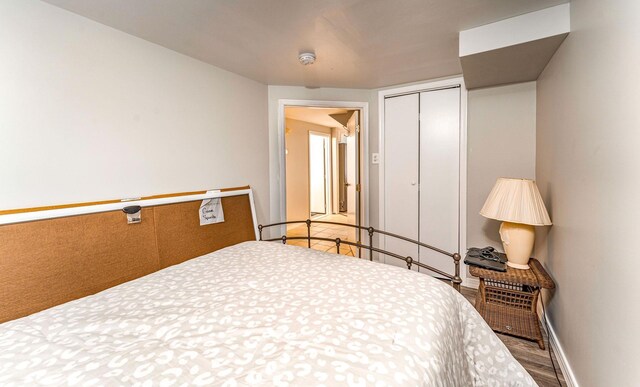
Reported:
(353, 160)
(343, 184)
(329, 191)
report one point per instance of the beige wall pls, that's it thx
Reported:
(91, 113)
(501, 142)
(588, 141)
(297, 143)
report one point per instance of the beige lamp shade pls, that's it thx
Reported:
(516, 201)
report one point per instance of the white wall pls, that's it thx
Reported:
(501, 142)
(588, 141)
(90, 113)
(297, 143)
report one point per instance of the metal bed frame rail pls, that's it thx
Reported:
(454, 279)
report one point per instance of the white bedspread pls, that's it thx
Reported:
(262, 313)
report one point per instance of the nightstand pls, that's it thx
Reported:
(508, 301)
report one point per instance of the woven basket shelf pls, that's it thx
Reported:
(508, 301)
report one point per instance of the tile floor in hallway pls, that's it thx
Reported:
(330, 231)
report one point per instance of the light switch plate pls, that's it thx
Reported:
(375, 158)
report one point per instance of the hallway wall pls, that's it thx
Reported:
(297, 145)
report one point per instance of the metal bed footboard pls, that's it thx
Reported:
(453, 278)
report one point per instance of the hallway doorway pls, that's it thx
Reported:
(323, 163)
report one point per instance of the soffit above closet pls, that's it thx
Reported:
(513, 50)
(358, 43)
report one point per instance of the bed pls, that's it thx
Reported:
(86, 298)
(261, 313)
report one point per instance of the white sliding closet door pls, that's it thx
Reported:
(401, 174)
(439, 175)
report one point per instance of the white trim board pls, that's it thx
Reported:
(364, 134)
(430, 85)
(563, 362)
(82, 210)
(471, 282)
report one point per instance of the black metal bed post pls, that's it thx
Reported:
(456, 278)
(338, 241)
(260, 231)
(308, 222)
(371, 230)
(284, 239)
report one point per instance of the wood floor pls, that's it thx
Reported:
(533, 359)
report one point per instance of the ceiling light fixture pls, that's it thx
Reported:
(307, 58)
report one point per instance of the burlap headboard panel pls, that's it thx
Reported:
(180, 236)
(48, 262)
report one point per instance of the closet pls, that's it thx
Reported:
(422, 173)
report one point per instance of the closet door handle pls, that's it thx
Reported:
(413, 183)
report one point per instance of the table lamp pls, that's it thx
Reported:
(518, 204)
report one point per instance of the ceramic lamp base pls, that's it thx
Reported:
(517, 265)
(517, 241)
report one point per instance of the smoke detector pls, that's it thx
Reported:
(307, 58)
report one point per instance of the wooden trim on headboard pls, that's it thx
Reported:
(50, 212)
(55, 207)
(84, 204)
(50, 261)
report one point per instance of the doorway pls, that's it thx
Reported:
(319, 174)
(324, 169)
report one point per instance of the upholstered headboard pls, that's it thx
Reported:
(50, 261)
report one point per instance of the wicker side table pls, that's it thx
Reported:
(508, 301)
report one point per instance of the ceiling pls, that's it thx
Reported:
(318, 116)
(359, 43)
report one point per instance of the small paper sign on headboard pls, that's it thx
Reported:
(211, 211)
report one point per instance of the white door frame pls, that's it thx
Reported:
(425, 86)
(364, 134)
(328, 176)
